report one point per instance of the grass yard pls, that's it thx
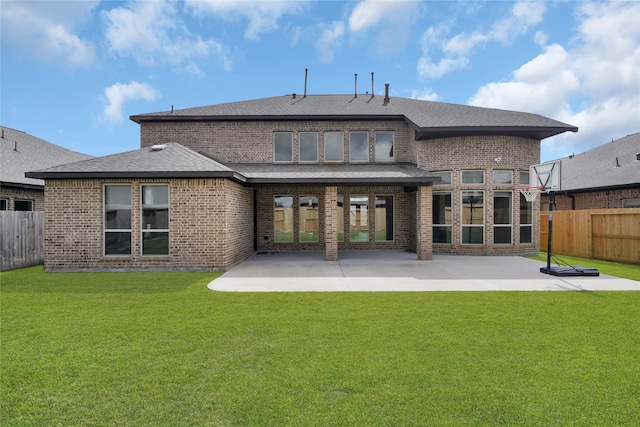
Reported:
(134, 349)
(626, 271)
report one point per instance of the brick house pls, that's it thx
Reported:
(212, 185)
(605, 177)
(20, 153)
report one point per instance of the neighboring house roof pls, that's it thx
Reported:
(176, 161)
(21, 152)
(611, 165)
(429, 119)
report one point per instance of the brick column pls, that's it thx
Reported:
(424, 220)
(331, 223)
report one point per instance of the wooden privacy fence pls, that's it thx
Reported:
(607, 234)
(21, 239)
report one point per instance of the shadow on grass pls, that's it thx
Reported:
(35, 280)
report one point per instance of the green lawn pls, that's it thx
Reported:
(132, 349)
(626, 271)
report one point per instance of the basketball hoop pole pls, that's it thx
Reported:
(552, 201)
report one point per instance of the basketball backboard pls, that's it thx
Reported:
(546, 175)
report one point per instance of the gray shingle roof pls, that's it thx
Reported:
(430, 119)
(176, 161)
(21, 152)
(168, 161)
(381, 174)
(597, 168)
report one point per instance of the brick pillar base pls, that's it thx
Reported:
(331, 223)
(424, 220)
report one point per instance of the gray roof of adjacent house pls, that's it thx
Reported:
(612, 165)
(21, 152)
(176, 161)
(429, 119)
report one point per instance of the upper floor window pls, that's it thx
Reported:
(117, 219)
(359, 146)
(502, 177)
(384, 146)
(333, 147)
(155, 219)
(472, 177)
(524, 178)
(445, 177)
(283, 147)
(308, 147)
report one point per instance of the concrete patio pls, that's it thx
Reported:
(363, 271)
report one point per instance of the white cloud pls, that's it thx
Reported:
(46, 29)
(391, 20)
(118, 94)
(329, 41)
(454, 51)
(262, 16)
(425, 95)
(599, 74)
(152, 33)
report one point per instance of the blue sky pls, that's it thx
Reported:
(72, 72)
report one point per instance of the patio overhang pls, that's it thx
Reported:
(397, 174)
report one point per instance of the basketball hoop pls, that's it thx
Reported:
(531, 193)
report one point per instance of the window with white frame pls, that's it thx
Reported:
(472, 209)
(631, 203)
(441, 217)
(472, 177)
(333, 147)
(155, 219)
(526, 220)
(340, 218)
(445, 177)
(308, 147)
(359, 218)
(283, 147)
(358, 146)
(283, 219)
(502, 217)
(308, 217)
(117, 219)
(384, 146)
(502, 177)
(384, 218)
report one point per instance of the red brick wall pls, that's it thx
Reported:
(252, 141)
(487, 153)
(265, 221)
(606, 199)
(11, 194)
(210, 226)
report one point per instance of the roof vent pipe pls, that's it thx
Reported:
(617, 163)
(386, 93)
(355, 89)
(306, 72)
(372, 91)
